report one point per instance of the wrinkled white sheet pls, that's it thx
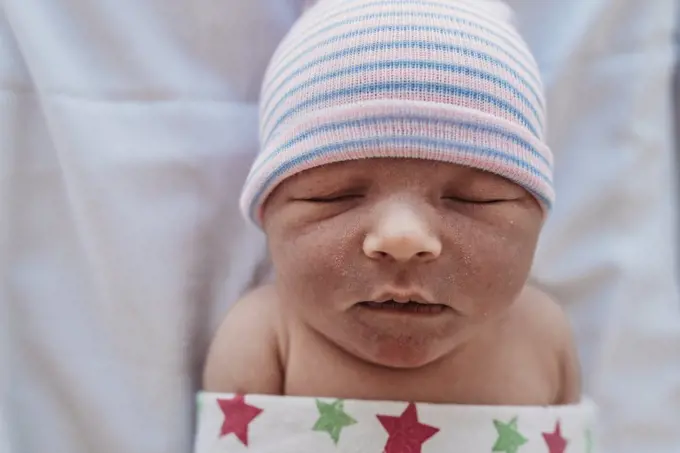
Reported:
(126, 129)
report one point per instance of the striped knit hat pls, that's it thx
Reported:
(445, 80)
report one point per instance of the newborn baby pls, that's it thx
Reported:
(402, 185)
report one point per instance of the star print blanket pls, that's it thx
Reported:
(281, 424)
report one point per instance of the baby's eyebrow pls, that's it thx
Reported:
(480, 181)
(331, 184)
(337, 176)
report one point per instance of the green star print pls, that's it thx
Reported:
(332, 418)
(509, 439)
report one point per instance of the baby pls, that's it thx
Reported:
(402, 185)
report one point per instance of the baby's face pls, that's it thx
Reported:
(353, 242)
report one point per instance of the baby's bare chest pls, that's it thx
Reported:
(505, 375)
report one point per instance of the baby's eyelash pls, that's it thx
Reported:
(474, 201)
(331, 198)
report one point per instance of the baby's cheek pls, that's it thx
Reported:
(316, 266)
(498, 266)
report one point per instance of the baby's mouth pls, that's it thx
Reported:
(409, 307)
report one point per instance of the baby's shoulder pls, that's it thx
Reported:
(245, 353)
(255, 314)
(540, 316)
(539, 323)
(260, 305)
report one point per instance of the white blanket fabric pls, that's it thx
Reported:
(283, 424)
(126, 129)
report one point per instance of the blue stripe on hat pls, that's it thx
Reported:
(356, 19)
(432, 87)
(407, 64)
(441, 30)
(413, 119)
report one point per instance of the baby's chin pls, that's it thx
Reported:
(400, 354)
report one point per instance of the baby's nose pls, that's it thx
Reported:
(401, 235)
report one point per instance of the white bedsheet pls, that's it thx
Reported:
(126, 129)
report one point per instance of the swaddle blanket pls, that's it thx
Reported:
(258, 423)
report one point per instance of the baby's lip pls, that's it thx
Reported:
(411, 308)
(402, 297)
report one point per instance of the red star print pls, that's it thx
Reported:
(406, 433)
(237, 417)
(556, 443)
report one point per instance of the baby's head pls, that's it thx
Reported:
(403, 159)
